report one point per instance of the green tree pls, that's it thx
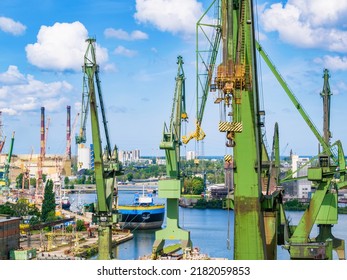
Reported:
(33, 182)
(35, 220)
(66, 181)
(88, 180)
(69, 228)
(193, 185)
(82, 180)
(21, 208)
(48, 205)
(80, 226)
(6, 209)
(33, 210)
(198, 185)
(130, 177)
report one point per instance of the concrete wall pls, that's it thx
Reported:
(9, 236)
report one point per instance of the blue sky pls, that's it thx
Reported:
(42, 48)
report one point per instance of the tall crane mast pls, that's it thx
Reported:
(236, 82)
(2, 137)
(106, 163)
(326, 95)
(4, 180)
(171, 187)
(256, 208)
(328, 173)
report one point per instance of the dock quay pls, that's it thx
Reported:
(129, 187)
(76, 246)
(74, 215)
(62, 245)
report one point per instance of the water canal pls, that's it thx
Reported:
(211, 230)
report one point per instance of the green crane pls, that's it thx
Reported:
(206, 56)
(236, 83)
(327, 172)
(106, 163)
(81, 136)
(171, 187)
(326, 95)
(325, 146)
(4, 172)
(259, 223)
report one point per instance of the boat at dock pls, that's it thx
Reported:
(63, 202)
(143, 213)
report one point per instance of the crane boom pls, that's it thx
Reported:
(7, 165)
(106, 165)
(103, 111)
(206, 56)
(2, 137)
(81, 137)
(296, 103)
(171, 187)
(4, 173)
(327, 177)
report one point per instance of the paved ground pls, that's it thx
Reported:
(66, 246)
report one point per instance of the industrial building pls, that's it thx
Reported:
(52, 165)
(128, 156)
(9, 235)
(299, 168)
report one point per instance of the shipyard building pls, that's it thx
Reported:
(52, 165)
(9, 235)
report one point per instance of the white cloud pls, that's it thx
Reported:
(62, 47)
(333, 62)
(308, 24)
(8, 25)
(9, 111)
(341, 87)
(175, 16)
(123, 35)
(78, 106)
(12, 76)
(30, 94)
(124, 51)
(110, 68)
(322, 12)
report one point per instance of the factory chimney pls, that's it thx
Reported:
(43, 138)
(68, 132)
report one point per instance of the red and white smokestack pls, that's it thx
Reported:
(68, 132)
(43, 138)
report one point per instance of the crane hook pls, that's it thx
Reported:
(230, 142)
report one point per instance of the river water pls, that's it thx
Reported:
(211, 229)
